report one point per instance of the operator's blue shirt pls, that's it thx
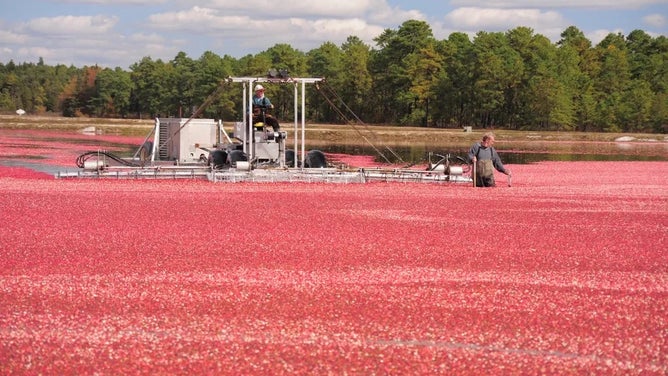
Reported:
(261, 101)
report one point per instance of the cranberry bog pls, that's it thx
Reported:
(565, 272)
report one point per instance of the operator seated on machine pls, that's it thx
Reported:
(260, 106)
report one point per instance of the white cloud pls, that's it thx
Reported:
(380, 12)
(375, 11)
(146, 38)
(6, 54)
(292, 8)
(610, 4)
(209, 21)
(261, 33)
(655, 20)
(334, 30)
(28, 53)
(597, 36)
(474, 19)
(8, 37)
(195, 18)
(259, 24)
(71, 25)
(82, 41)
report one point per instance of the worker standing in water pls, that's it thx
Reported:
(485, 159)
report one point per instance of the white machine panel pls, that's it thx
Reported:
(187, 142)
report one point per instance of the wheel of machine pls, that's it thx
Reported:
(290, 158)
(218, 159)
(315, 159)
(235, 156)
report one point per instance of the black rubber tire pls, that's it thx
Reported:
(315, 159)
(235, 156)
(290, 158)
(218, 159)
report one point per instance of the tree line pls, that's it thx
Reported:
(512, 80)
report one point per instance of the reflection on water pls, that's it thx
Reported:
(523, 158)
(40, 167)
(562, 152)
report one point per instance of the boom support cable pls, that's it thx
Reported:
(359, 121)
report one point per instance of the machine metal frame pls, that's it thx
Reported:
(299, 93)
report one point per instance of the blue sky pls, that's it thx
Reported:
(118, 33)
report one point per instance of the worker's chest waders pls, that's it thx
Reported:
(485, 172)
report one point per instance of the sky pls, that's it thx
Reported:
(118, 33)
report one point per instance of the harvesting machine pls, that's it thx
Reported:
(249, 151)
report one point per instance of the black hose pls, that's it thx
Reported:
(90, 154)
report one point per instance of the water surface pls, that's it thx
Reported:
(518, 152)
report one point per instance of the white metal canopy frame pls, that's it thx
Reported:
(299, 96)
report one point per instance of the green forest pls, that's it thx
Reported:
(516, 80)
